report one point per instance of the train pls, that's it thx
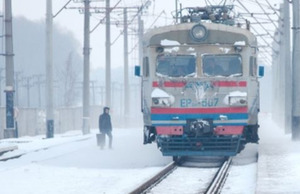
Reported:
(200, 84)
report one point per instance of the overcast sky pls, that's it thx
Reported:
(71, 20)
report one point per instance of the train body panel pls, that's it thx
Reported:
(200, 97)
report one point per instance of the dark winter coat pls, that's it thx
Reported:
(105, 122)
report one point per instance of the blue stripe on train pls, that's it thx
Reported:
(230, 116)
(216, 124)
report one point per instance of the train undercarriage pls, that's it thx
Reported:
(199, 138)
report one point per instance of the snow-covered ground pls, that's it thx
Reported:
(186, 180)
(278, 167)
(72, 163)
(279, 160)
(242, 174)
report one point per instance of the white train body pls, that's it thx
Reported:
(200, 85)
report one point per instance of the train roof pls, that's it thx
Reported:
(217, 34)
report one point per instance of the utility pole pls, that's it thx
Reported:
(140, 38)
(108, 22)
(121, 99)
(93, 90)
(49, 71)
(9, 132)
(275, 78)
(287, 66)
(281, 71)
(86, 70)
(17, 80)
(296, 70)
(28, 85)
(108, 56)
(113, 91)
(126, 82)
(102, 89)
(39, 82)
(1, 77)
(176, 11)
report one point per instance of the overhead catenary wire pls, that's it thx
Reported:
(262, 38)
(140, 9)
(64, 7)
(270, 6)
(266, 14)
(246, 9)
(163, 12)
(101, 21)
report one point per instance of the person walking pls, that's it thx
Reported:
(105, 126)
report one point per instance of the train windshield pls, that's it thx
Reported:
(222, 65)
(176, 65)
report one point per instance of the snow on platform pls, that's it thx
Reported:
(279, 160)
(6, 148)
(72, 163)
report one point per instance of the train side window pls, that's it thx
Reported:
(253, 66)
(146, 67)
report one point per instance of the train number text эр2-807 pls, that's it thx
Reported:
(206, 102)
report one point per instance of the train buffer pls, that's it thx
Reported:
(7, 148)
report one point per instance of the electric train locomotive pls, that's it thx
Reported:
(200, 89)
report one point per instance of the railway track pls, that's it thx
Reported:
(155, 179)
(211, 182)
(220, 178)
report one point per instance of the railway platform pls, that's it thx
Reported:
(7, 148)
(278, 162)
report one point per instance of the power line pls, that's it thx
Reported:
(258, 22)
(101, 21)
(266, 15)
(64, 7)
(270, 6)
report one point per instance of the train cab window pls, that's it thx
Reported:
(222, 65)
(146, 67)
(176, 65)
(253, 66)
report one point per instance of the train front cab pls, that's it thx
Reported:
(200, 112)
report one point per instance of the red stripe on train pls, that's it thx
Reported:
(169, 84)
(198, 110)
(230, 84)
(156, 84)
(169, 130)
(229, 130)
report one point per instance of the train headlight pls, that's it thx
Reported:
(238, 46)
(237, 100)
(163, 101)
(155, 101)
(161, 98)
(198, 32)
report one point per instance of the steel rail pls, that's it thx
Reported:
(155, 179)
(220, 178)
